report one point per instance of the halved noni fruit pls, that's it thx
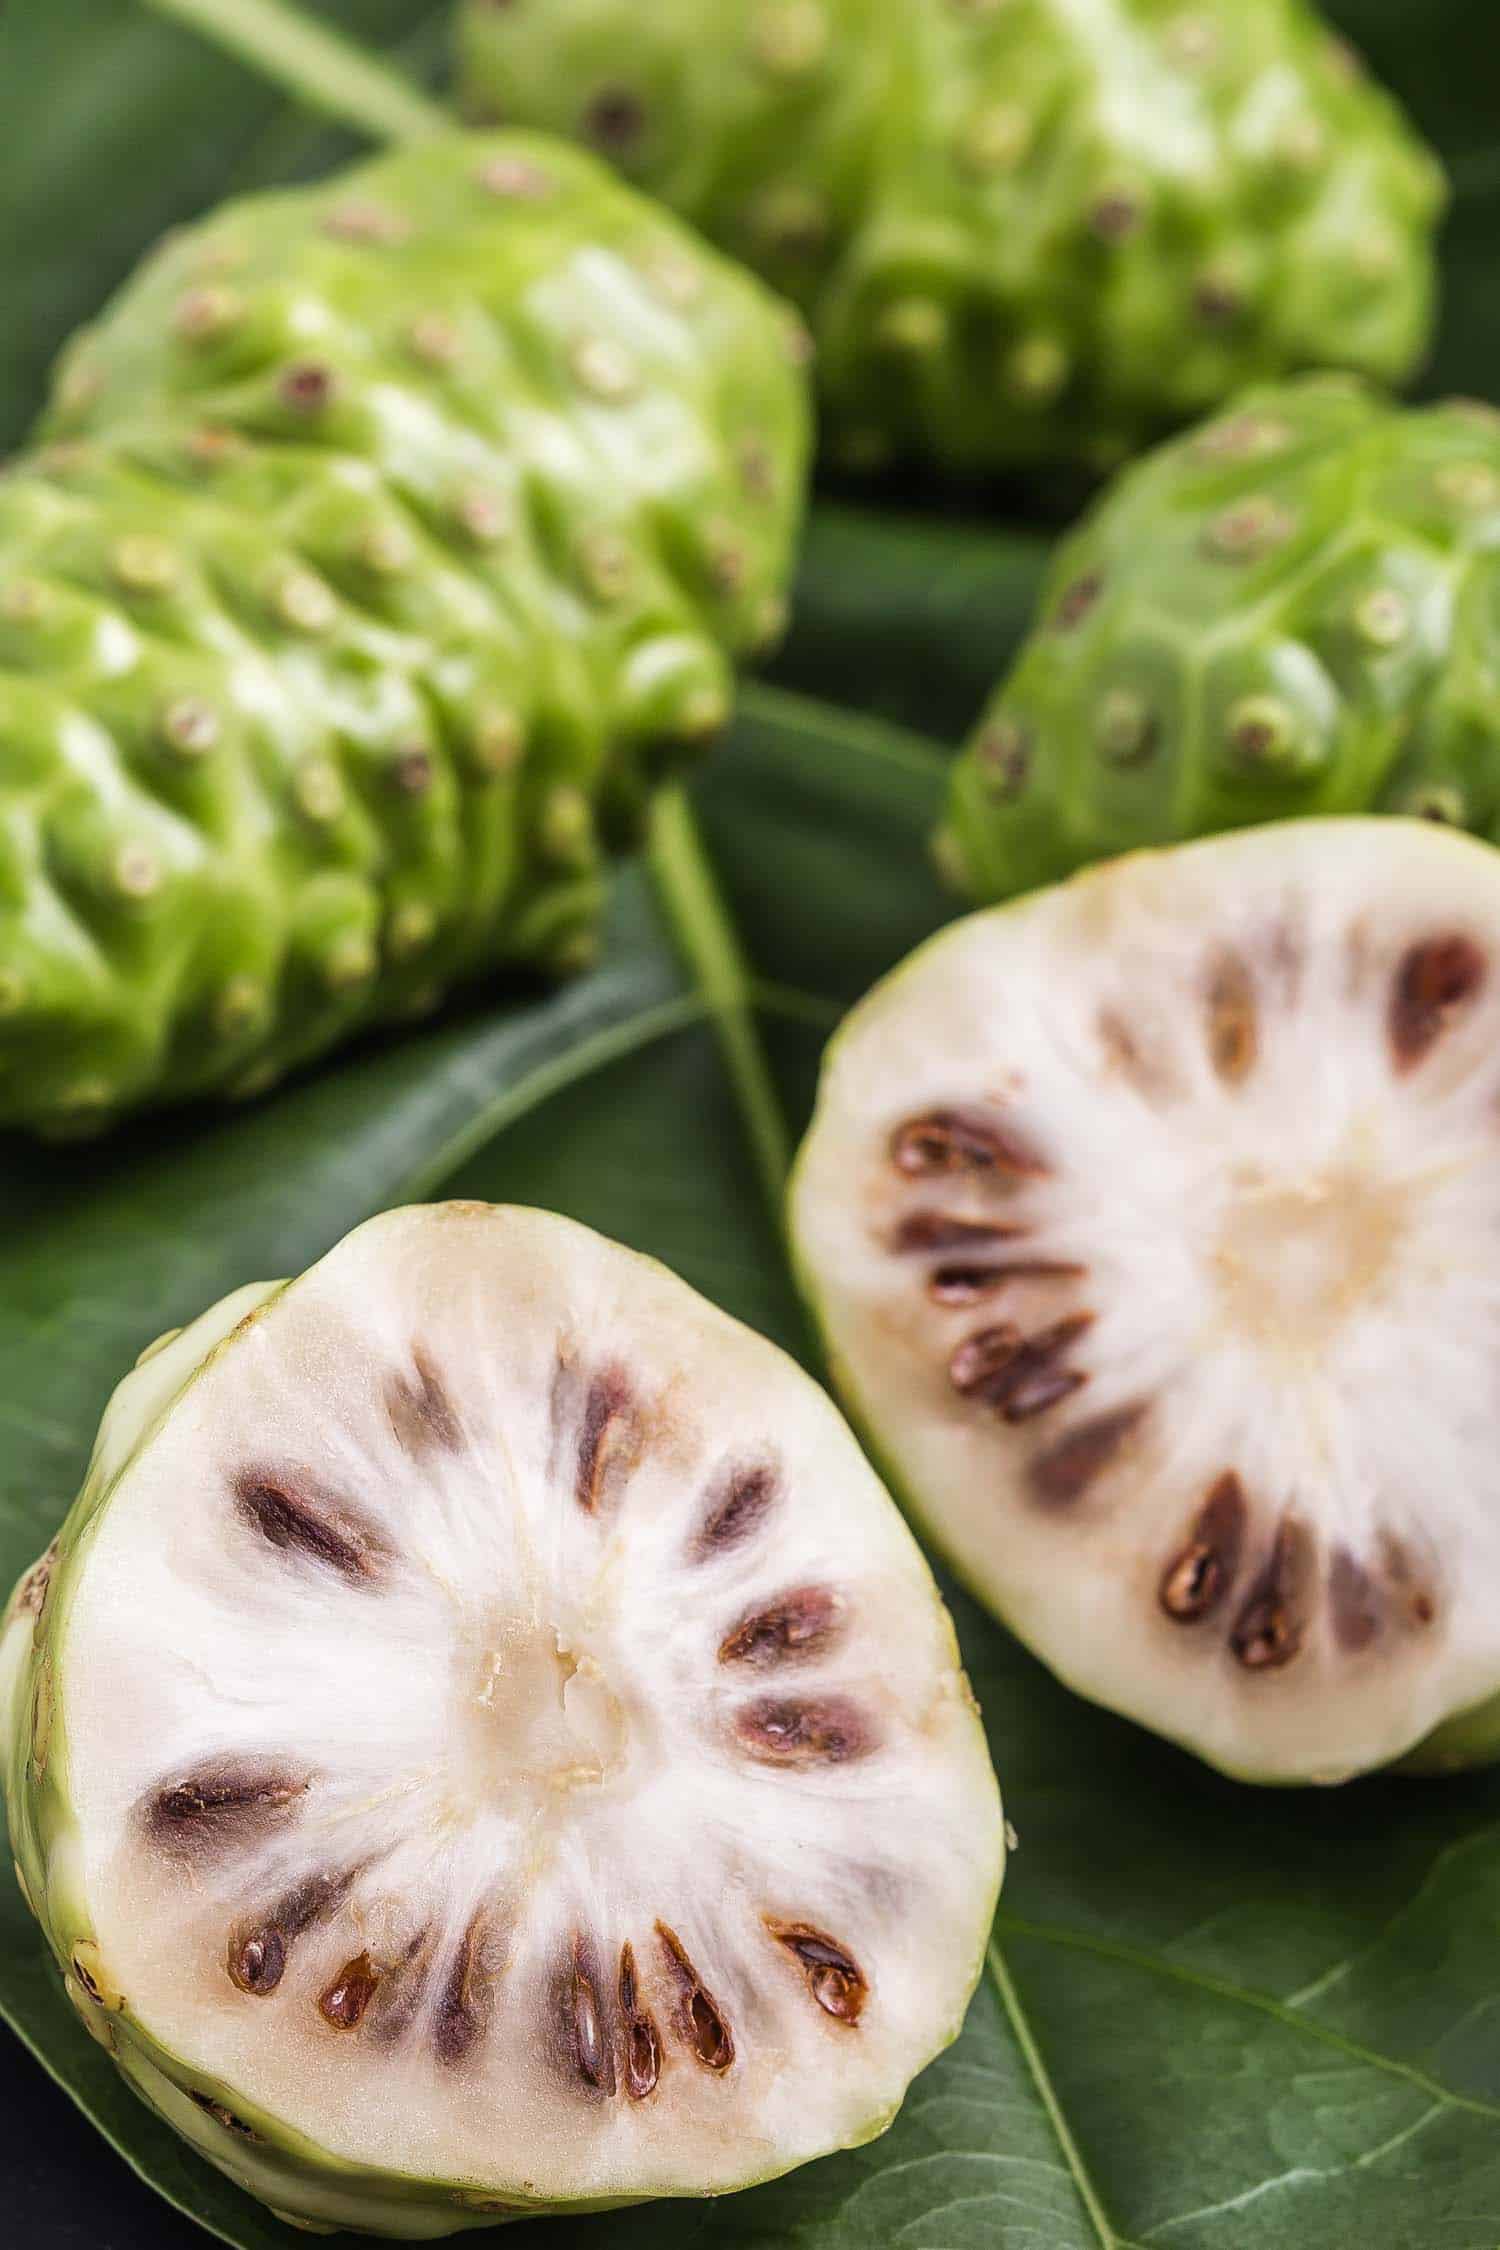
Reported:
(1154, 1225)
(484, 1742)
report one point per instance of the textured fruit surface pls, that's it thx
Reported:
(1151, 1221)
(484, 1741)
(1291, 610)
(390, 540)
(1025, 231)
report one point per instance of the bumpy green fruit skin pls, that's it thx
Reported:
(386, 543)
(1025, 232)
(1289, 611)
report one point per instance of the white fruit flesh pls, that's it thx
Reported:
(1154, 1222)
(511, 1740)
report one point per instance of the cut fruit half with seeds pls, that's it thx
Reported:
(486, 1743)
(1154, 1225)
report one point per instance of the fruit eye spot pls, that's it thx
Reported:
(614, 120)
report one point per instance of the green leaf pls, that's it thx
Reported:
(1215, 2019)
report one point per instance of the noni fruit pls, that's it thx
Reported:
(384, 542)
(484, 1742)
(1025, 231)
(1289, 611)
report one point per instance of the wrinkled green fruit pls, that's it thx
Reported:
(1026, 232)
(1289, 611)
(389, 540)
(1150, 1221)
(484, 1742)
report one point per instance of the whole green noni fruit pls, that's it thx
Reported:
(1291, 610)
(1025, 232)
(386, 542)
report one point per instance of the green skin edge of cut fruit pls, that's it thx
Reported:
(1470, 1738)
(300, 2182)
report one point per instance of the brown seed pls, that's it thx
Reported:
(421, 1412)
(834, 1978)
(344, 2002)
(1268, 1631)
(1355, 1602)
(934, 1230)
(642, 2041)
(224, 1807)
(970, 1285)
(952, 1140)
(1021, 1375)
(1064, 1472)
(1076, 601)
(1046, 1387)
(1196, 1580)
(1417, 1600)
(256, 1956)
(1232, 1033)
(788, 1731)
(736, 1513)
(983, 1356)
(614, 120)
(1433, 982)
(462, 2006)
(583, 2014)
(306, 1522)
(799, 1624)
(702, 2021)
(256, 1962)
(609, 1441)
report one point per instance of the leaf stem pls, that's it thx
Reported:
(690, 900)
(320, 67)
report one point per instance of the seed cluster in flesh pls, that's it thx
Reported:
(1151, 1222)
(387, 543)
(528, 1795)
(1023, 233)
(1285, 613)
